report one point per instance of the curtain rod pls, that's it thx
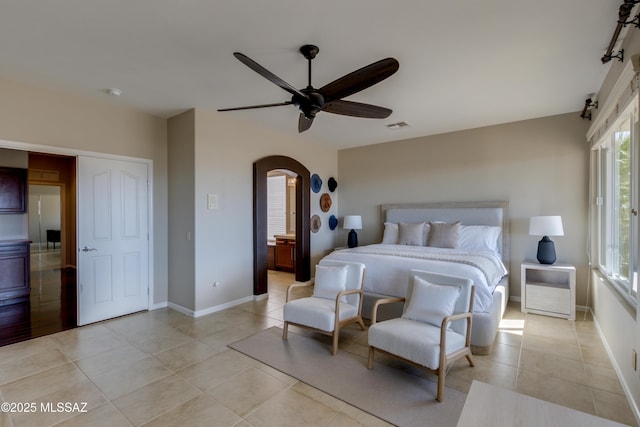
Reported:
(623, 15)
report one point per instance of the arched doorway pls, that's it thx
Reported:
(303, 247)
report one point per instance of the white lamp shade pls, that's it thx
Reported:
(352, 222)
(546, 226)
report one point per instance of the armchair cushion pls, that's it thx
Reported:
(430, 303)
(415, 341)
(329, 281)
(318, 313)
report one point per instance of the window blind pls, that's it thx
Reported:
(276, 205)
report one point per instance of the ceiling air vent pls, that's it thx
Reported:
(398, 125)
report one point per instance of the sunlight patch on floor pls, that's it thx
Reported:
(512, 326)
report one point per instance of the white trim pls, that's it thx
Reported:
(620, 91)
(209, 310)
(627, 392)
(180, 308)
(159, 305)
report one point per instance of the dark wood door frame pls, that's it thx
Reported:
(303, 246)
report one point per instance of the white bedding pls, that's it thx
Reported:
(388, 268)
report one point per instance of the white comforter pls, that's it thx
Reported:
(388, 268)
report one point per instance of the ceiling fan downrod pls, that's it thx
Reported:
(309, 51)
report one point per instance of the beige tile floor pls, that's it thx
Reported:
(162, 368)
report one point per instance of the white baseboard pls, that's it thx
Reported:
(158, 305)
(627, 391)
(210, 310)
(180, 308)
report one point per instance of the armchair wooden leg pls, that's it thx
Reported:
(334, 350)
(470, 360)
(441, 373)
(285, 329)
(370, 361)
(361, 323)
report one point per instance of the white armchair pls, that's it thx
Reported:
(435, 327)
(336, 301)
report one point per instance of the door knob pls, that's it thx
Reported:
(86, 249)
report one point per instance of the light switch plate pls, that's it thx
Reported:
(212, 201)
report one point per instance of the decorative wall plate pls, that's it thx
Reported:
(325, 202)
(333, 222)
(316, 183)
(315, 224)
(333, 184)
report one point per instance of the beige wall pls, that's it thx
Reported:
(211, 153)
(181, 152)
(52, 121)
(540, 166)
(225, 152)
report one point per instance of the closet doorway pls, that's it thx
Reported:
(52, 231)
(52, 302)
(53, 305)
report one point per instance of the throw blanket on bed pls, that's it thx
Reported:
(388, 268)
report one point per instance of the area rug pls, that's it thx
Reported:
(386, 392)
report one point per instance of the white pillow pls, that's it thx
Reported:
(474, 238)
(329, 281)
(430, 303)
(411, 234)
(390, 235)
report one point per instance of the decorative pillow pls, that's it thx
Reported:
(430, 303)
(329, 281)
(443, 234)
(390, 235)
(474, 238)
(425, 233)
(410, 234)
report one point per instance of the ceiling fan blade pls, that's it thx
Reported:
(357, 109)
(359, 79)
(268, 74)
(251, 107)
(304, 123)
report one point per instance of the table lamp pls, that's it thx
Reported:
(546, 226)
(353, 222)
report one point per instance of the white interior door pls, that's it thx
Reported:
(113, 239)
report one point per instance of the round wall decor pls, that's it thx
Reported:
(315, 224)
(325, 202)
(316, 183)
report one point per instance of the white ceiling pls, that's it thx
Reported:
(463, 63)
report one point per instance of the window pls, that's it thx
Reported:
(617, 190)
(276, 206)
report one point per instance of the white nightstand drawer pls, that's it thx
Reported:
(547, 297)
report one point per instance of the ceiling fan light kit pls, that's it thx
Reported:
(329, 98)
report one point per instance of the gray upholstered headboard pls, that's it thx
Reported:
(469, 213)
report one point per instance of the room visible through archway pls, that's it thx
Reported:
(301, 260)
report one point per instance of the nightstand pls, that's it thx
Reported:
(548, 289)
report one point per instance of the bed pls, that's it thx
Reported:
(468, 239)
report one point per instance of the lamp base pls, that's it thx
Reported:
(546, 251)
(352, 239)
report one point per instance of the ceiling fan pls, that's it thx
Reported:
(328, 98)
